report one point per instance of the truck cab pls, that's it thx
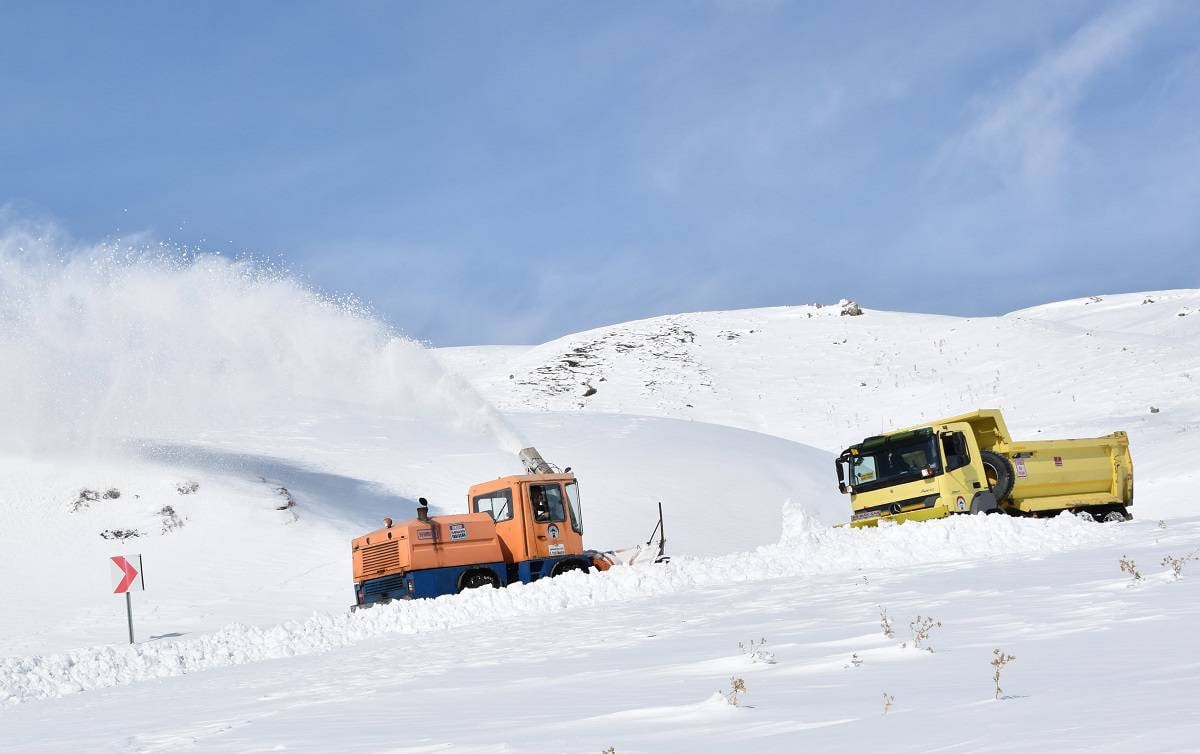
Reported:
(539, 522)
(921, 473)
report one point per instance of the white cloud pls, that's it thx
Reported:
(1027, 130)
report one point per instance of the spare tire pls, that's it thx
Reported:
(1000, 474)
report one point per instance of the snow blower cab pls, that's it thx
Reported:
(538, 518)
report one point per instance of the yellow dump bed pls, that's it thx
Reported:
(1051, 475)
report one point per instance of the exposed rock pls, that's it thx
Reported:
(850, 308)
(84, 501)
(170, 519)
(287, 496)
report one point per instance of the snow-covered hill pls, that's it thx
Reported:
(237, 429)
(816, 376)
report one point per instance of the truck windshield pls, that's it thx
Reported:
(906, 458)
(573, 501)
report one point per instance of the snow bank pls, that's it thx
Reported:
(804, 549)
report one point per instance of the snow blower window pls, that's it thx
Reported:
(576, 511)
(498, 503)
(547, 503)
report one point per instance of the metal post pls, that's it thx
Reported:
(662, 532)
(129, 613)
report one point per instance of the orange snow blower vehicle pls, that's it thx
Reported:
(518, 528)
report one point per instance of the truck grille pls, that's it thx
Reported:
(382, 557)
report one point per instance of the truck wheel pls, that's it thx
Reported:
(568, 565)
(1085, 516)
(477, 579)
(1000, 474)
(1114, 516)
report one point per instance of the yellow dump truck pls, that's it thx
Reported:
(971, 464)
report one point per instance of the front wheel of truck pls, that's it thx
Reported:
(1000, 473)
(478, 579)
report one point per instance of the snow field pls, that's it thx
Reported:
(1102, 665)
(806, 549)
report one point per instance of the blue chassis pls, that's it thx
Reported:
(436, 582)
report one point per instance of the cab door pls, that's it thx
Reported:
(961, 480)
(548, 528)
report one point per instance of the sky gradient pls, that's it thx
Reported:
(510, 172)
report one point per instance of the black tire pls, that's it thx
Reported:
(477, 580)
(1116, 515)
(1000, 474)
(564, 566)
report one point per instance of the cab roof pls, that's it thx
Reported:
(508, 481)
(987, 423)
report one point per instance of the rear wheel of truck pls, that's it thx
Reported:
(1085, 515)
(1000, 474)
(477, 579)
(1115, 515)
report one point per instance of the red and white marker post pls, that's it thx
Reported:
(127, 576)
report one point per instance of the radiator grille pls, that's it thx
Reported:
(382, 557)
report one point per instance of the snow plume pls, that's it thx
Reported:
(125, 341)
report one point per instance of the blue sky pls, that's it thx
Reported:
(510, 172)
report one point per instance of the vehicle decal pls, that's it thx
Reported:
(559, 549)
(1020, 464)
(552, 530)
(961, 502)
(458, 531)
(424, 533)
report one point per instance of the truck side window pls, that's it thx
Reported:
(546, 502)
(498, 503)
(954, 446)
